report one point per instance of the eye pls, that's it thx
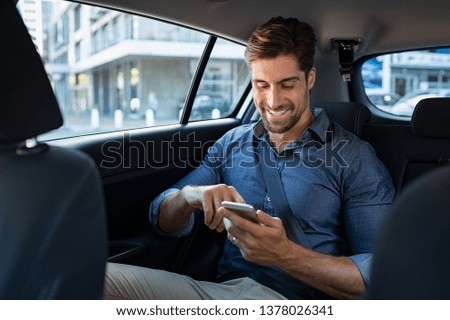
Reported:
(262, 85)
(288, 85)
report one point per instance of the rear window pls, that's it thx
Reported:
(395, 83)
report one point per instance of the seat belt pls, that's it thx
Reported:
(277, 195)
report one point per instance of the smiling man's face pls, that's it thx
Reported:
(281, 93)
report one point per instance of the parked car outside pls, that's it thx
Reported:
(384, 101)
(405, 106)
(209, 107)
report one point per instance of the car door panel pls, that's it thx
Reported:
(137, 165)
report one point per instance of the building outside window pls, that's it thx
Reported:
(131, 71)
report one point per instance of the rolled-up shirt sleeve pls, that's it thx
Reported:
(363, 262)
(154, 215)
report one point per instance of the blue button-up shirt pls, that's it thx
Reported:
(337, 188)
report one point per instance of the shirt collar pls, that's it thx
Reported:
(321, 125)
(318, 127)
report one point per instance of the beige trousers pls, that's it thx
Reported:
(135, 283)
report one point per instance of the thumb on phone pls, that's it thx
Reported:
(227, 223)
(268, 220)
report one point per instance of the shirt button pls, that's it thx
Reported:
(268, 199)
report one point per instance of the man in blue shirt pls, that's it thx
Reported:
(338, 191)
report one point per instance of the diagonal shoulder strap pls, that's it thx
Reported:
(277, 195)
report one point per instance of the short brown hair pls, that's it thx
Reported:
(283, 36)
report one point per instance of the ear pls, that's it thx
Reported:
(311, 78)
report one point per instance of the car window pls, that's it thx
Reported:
(114, 71)
(225, 78)
(395, 83)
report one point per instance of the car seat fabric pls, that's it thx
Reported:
(427, 145)
(411, 258)
(52, 219)
(52, 226)
(410, 151)
(350, 115)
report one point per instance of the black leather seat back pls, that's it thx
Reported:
(52, 219)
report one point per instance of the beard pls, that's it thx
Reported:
(284, 124)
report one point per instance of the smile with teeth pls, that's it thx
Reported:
(277, 113)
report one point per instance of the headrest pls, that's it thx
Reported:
(350, 115)
(28, 106)
(431, 118)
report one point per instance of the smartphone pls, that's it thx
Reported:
(242, 209)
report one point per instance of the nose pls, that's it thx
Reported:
(274, 98)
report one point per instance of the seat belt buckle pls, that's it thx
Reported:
(346, 56)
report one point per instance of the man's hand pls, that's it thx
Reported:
(209, 199)
(265, 243)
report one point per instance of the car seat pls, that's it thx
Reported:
(52, 219)
(411, 259)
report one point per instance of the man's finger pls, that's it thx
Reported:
(268, 220)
